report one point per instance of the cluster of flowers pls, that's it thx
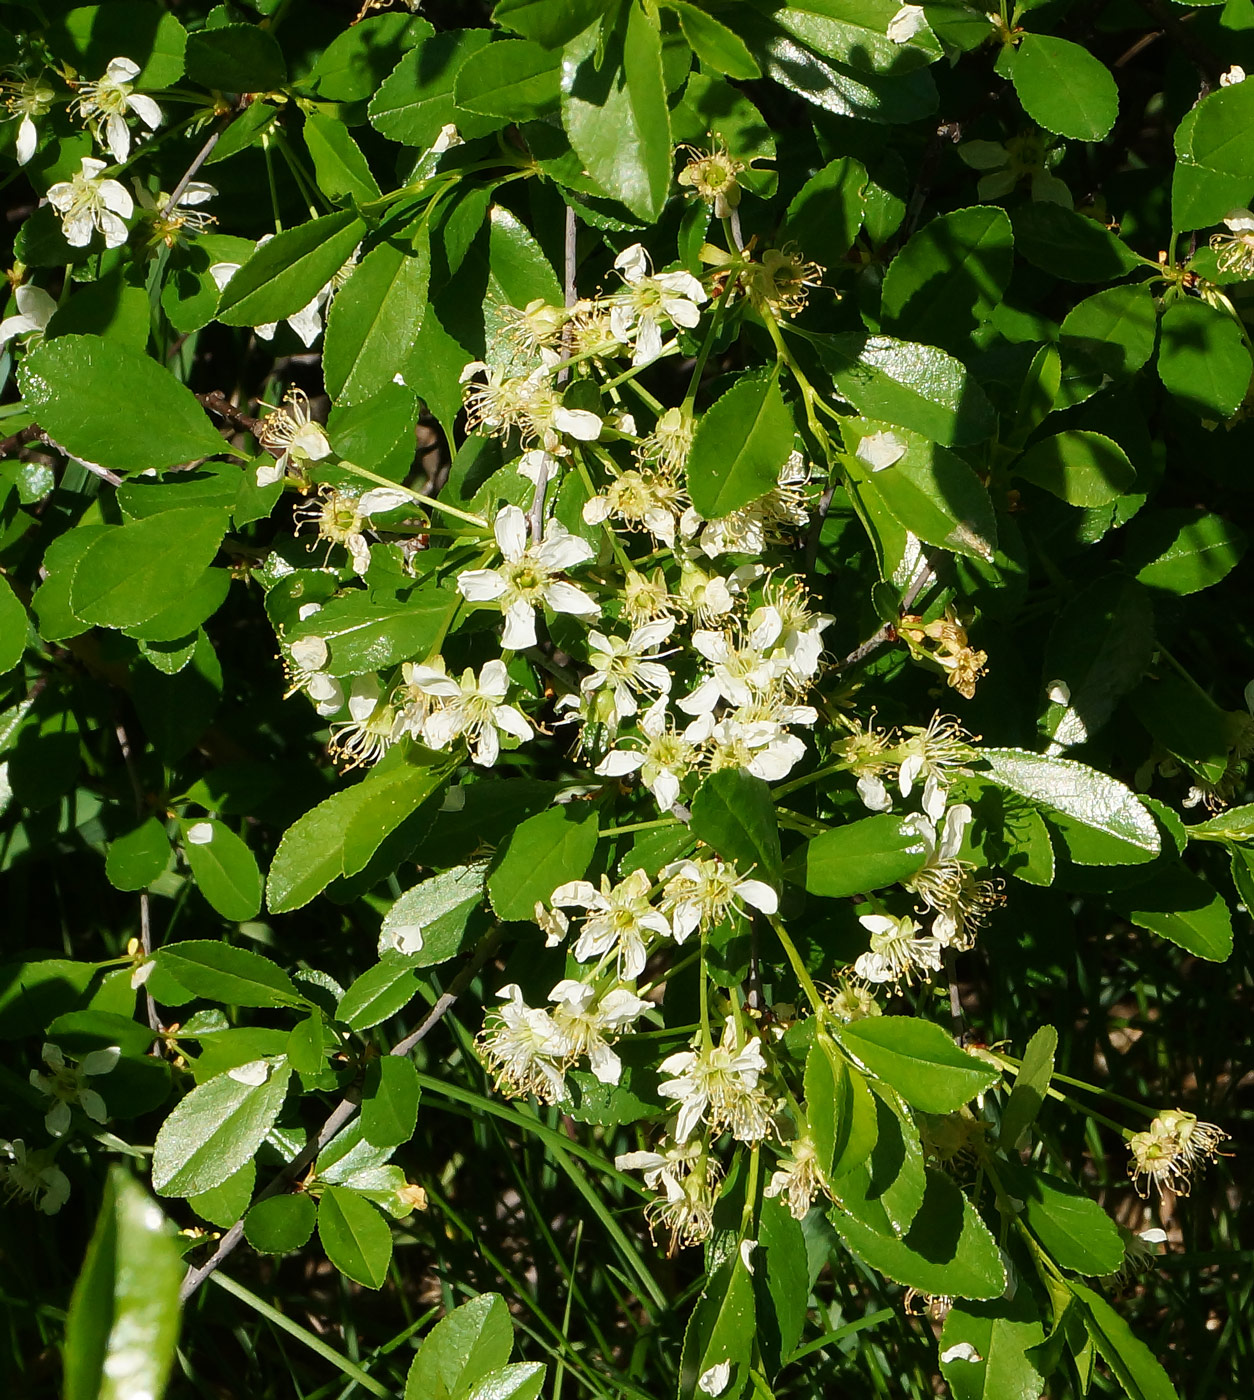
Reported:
(33, 1175)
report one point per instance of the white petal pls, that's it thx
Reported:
(35, 305)
(114, 230)
(488, 748)
(101, 1061)
(381, 499)
(510, 529)
(359, 553)
(480, 585)
(268, 474)
(665, 789)
(880, 450)
(148, 112)
(520, 627)
(512, 721)
(201, 834)
(566, 598)
(222, 273)
(117, 137)
(633, 262)
(760, 895)
(578, 423)
(122, 70)
(648, 342)
(906, 23)
(960, 1351)
(562, 550)
(78, 230)
(27, 140)
(307, 323)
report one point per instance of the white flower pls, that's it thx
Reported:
(305, 659)
(739, 674)
(469, 708)
(528, 403)
(369, 731)
(584, 1027)
(29, 99)
(702, 893)
(293, 429)
(797, 1178)
(619, 920)
(945, 882)
(772, 519)
(528, 577)
(906, 23)
(1234, 75)
(677, 296)
(31, 1176)
(167, 218)
(760, 747)
(719, 1082)
(523, 1048)
(622, 670)
(102, 107)
(648, 500)
(666, 758)
(68, 1084)
(34, 311)
(874, 794)
(1235, 249)
(687, 1175)
(898, 949)
(933, 753)
(86, 202)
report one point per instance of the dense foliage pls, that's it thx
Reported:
(625, 697)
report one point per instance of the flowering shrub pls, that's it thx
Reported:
(710, 525)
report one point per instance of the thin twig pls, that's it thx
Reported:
(145, 911)
(217, 402)
(883, 634)
(343, 1113)
(202, 155)
(535, 519)
(31, 433)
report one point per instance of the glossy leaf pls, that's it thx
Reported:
(1202, 358)
(357, 1239)
(720, 1330)
(233, 976)
(464, 1346)
(858, 857)
(137, 858)
(114, 406)
(734, 814)
(540, 854)
(416, 100)
(1001, 1333)
(515, 78)
(1182, 907)
(428, 922)
(1031, 1085)
(123, 1321)
(389, 1102)
(1182, 551)
(743, 440)
(1064, 88)
(1135, 1366)
(839, 1107)
(919, 1060)
(217, 1128)
(1079, 467)
(225, 869)
(286, 273)
(235, 58)
(281, 1223)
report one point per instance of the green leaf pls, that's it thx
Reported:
(14, 627)
(1112, 332)
(356, 61)
(1215, 170)
(114, 406)
(838, 88)
(374, 321)
(217, 1128)
(1202, 358)
(911, 386)
(472, 1341)
(1099, 648)
(123, 1321)
(357, 1239)
(1182, 907)
(341, 170)
(929, 491)
(233, 976)
(416, 100)
(886, 1190)
(858, 857)
(1001, 1332)
(1182, 551)
(380, 431)
(1234, 824)
(919, 1060)
(949, 277)
(826, 213)
(615, 114)
(96, 34)
(947, 1250)
(381, 991)
(1074, 1230)
(1186, 722)
(1079, 467)
(1064, 88)
(235, 58)
(1031, 1085)
(721, 1329)
(366, 634)
(140, 569)
(1091, 799)
(540, 854)
(225, 869)
(523, 1380)
(740, 444)
(733, 812)
(1069, 245)
(223, 1205)
(1127, 1356)
(286, 273)
(281, 1223)
(136, 859)
(428, 922)
(781, 1259)
(714, 44)
(513, 78)
(389, 1102)
(839, 1109)
(546, 23)
(855, 33)
(344, 831)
